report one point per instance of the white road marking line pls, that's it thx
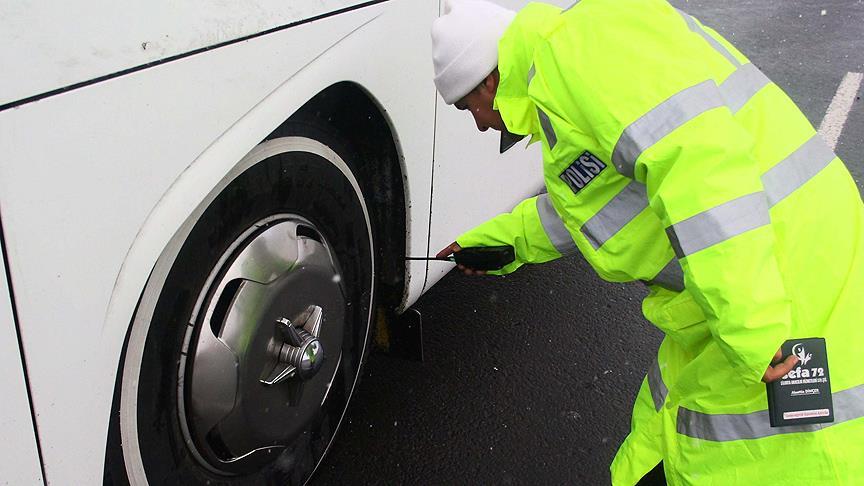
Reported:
(838, 110)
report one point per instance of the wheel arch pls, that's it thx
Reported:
(351, 111)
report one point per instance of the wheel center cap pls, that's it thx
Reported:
(297, 350)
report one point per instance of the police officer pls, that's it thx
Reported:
(669, 158)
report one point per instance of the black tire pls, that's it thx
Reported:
(296, 182)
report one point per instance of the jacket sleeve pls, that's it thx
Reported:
(704, 183)
(522, 229)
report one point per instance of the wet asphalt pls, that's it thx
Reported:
(529, 378)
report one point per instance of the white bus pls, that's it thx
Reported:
(200, 199)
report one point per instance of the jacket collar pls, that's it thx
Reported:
(516, 67)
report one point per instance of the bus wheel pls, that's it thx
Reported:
(257, 338)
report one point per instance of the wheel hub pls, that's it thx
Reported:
(297, 351)
(255, 371)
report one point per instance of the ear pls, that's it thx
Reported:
(492, 80)
(490, 84)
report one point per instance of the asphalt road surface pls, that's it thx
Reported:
(529, 378)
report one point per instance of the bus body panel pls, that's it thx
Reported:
(96, 181)
(51, 44)
(19, 458)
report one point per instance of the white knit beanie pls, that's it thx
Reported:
(465, 45)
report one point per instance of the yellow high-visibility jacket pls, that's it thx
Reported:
(671, 159)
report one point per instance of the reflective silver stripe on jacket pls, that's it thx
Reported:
(749, 212)
(625, 206)
(742, 85)
(682, 107)
(554, 226)
(546, 124)
(671, 277)
(695, 27)
(718, 224)
(531, 73)
(662, 120)
(796, 169)
(848, 405)
(656, 386)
